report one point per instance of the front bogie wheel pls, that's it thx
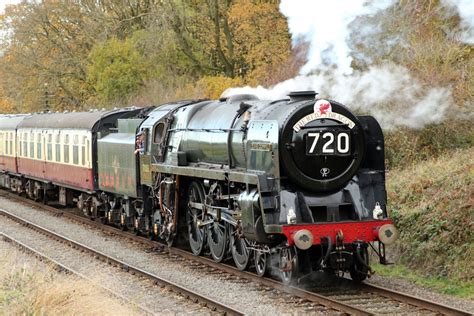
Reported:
(360, 266)
(262, 262)
(288, 265)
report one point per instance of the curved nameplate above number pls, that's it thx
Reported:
(323, 110)
(316, 116)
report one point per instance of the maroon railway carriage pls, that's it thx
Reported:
(59, 151)
(8, 146)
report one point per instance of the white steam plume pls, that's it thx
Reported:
(465, 10)
(388, 91)
(325, 26)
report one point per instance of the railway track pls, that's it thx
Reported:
(189, 294)
(68, 270)
(346, 297)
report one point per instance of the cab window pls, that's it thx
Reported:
(158, 134)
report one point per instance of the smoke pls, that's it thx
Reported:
(386, 91)
(465, 10)
(325, 26)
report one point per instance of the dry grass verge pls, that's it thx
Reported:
(29, 287)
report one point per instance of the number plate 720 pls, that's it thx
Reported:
(328, 143)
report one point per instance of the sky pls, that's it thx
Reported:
(3, 3)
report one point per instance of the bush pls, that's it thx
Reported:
(404, 147)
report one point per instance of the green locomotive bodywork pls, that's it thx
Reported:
(117, 163)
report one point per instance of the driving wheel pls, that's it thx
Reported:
(194, 216)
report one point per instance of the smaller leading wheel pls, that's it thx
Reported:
(288, 265)
(360, 267)
(262, 262)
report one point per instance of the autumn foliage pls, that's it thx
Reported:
(81, 54)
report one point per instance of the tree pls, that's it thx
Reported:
(74, 53)
(226, 37)
(260, 37)
(5, 105)
(47, 45)
(118, 18)
(116, 69)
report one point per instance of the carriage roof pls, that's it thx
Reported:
(72, 120)
(11, 121)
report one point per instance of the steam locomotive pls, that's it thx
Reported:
(293, 185)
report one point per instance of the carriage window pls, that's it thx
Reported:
(87, 150)
(83, 150)
(75, 154)
(25, 145)
(50, 152)
(159, 130)
(1, 143)
(38, 146)
(75, 150)
(10, 137)
(32, 145)
(66, 149)
(66, 153)
(58, 152)
(50, 148)
(6, 144)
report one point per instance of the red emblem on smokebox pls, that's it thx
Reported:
(322, 107)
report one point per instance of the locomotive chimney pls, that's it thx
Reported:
(302, 95)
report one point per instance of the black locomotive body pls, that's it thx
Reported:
(293, 185)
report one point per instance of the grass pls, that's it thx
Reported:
(28, 287)
(432, 204)
(441, 285)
